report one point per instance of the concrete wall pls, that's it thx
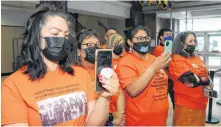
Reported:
(7, 34)
(108, 9)
(14, 18)
(150, 21)
(118, 24)
(91, 22)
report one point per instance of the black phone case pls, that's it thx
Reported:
(104, 59)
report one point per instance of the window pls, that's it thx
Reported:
(214, 61)
(183, 25)
(200, 44)
(215, 43)
(209, 24)
(206, 24)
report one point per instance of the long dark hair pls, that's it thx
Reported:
(31, 49)
(72, 39)
(126, 34)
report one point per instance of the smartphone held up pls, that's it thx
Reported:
(103, 67)
(168, 44)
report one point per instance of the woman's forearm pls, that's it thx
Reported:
(137, 86)
(100, 113)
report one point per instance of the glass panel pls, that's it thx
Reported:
(183, 25)
(212, 24)
(174, 35)
(215, 43)
(200, 45)
(207, 24)
(214, 61)
(217, 82)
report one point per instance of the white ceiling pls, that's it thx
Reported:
(109, 9)
(196, 9)
(191, 14)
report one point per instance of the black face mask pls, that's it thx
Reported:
(190, 48)
(56, 48)
(141, 47)
(90, 54)
(161, 44)
(118, 49)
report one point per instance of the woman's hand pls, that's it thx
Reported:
(111, 85)
(161, 61)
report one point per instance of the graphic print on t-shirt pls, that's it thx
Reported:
(62, 108)
(160, 85)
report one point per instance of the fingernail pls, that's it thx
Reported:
(101, 80)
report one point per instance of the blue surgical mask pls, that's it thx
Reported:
(141, 47)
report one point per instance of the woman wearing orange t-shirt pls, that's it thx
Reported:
(48, 90)
(190, 76)
(88, 42)
(117, 104)
(145, 83)
(116, 42)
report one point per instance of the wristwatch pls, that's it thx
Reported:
(111, 117)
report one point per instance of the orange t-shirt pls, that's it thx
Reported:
(104, 46)
(113, 99)
(151, 106)
(185, 96)
(115, 62)
(158, 50)
(92, 74)
(57, 99)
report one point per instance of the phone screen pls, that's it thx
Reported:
(103, 59)
(168, 44)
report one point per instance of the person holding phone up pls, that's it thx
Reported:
(144, 81)
(190, 77)
(163, 34)
(88, 43)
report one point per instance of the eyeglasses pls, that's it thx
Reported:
(141, 39)
(91, 45)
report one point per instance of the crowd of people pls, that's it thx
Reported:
(55, 85)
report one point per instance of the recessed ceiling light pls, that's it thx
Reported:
(183, 13)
